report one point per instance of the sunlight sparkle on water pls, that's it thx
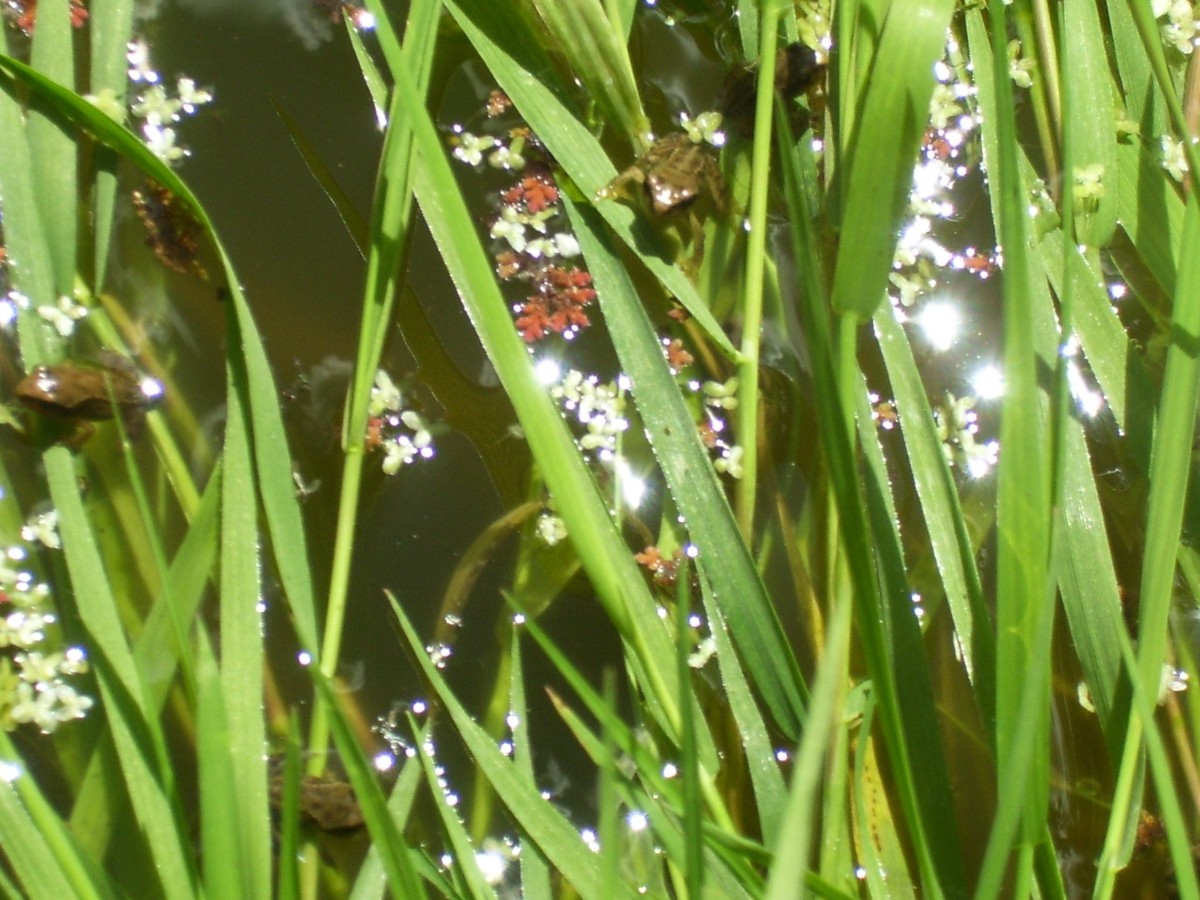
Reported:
(383, 761)
(637, 821)
(9, 772)
(633, 486)
(304, 658)
(941, 323)
(988, 382)
(548, 370)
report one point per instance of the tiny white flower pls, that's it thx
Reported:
(510, 227)
(385, 396)
(63, 315)
(108, 103)
(44, 528)
(471, 148)
(190, 96)
(551, 529)
(138, 55)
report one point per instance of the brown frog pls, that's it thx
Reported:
(78, 394)
(326, 803)
(677, 176)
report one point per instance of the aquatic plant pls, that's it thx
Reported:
(831, 529)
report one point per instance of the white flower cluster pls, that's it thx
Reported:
(1180, 28)
(157, 109)
(403, 433)
(598, 406)
(33, 689)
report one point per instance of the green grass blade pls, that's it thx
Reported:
(878, 171)
(535, 870)
(724, 559)
(241, 674)
(52, 149)
(604, 555)
(557, 838)
(41, 850)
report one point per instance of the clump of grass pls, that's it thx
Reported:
(744, 738)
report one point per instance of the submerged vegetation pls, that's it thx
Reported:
(860, 400)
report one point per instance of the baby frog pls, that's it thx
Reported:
(677, 176)
(78, 394)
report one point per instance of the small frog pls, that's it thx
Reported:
(326, 803)
(78, 394)
(677, 176)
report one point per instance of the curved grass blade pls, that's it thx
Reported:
(558, 839)
(262, 399)
(724, 559)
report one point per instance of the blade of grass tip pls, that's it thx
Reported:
(372, 879)
(725, 559)
(465, 861)
(40, 849)
(242, 642)
(227, 872)
(356, 225)
(376, 86)
(535, 871)
(557, 838)
(746, 492)
(53, 151)
(390, 214)
(925, 804)
(394, 853)
(602, 550)
(514, 56)
(881, 157)
(110, 24)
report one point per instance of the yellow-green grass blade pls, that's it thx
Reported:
(596, 51)
(558, 840)
(228, 870)
(52, 149)
(1091, 122)
(724, 559)
(1023, 515)
(923, 787)
(110, 24)
(535, 870)
(28, 265)
(274, 480)
(155, 654)
(513, 56)
(40, 849)
(1144, 103)
(241, 634)
(136, 732)
(877, 172)
(603, 552)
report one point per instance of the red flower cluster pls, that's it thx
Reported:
(556, 307)
(535, 192)
(663, 570)
(24, 14)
